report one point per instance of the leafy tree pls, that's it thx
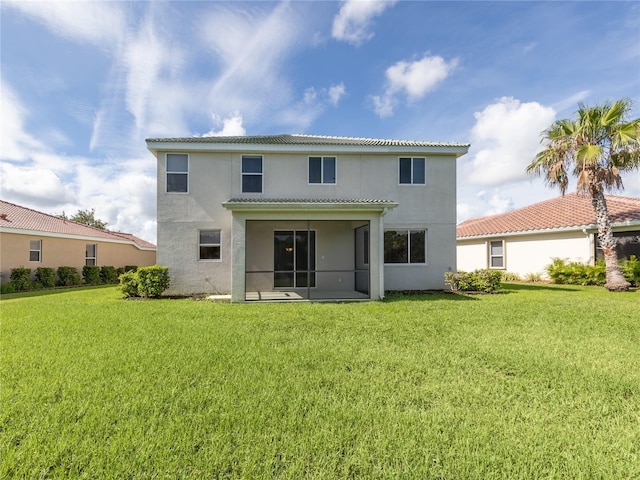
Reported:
(86, 217)
(595, 147)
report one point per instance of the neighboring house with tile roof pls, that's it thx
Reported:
(526, 240)
(304, 216)
(32, 239)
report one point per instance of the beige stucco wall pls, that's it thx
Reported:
(216, 177)
(57, 252)
(525, 254)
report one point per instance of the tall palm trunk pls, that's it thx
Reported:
(615, 278)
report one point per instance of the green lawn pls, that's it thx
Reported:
(539, 382)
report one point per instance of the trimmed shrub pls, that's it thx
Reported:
(130, 268)
(484, 280)
(20, 278)
(576, 273)
(68, 277)
(129, 284)
(108, 274)
(152, 281)
(45, 277)
(8, 287)
(91, 274)
(145, 282)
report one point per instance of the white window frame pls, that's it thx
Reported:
(39, 250)
(95, 254)
(503, 256)
(242, 174)
(172, 172)
(322, 159)
(219, 245)
(413, 159)
(408, 231)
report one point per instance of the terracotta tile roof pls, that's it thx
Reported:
(571, 210)
(287, 201)
(14, 216)
(295, 139)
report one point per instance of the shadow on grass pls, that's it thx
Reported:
(51, 291)
(514, 287)
(422, 295)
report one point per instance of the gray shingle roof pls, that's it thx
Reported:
(295, 139)
(287, 201)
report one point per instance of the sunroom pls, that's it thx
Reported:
(307, 249)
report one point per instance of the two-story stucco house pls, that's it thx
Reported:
(305, 217)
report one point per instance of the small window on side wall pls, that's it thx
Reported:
(496, 254)
(91, 254)
(35, 250)
(322, 170)
(405, 246)
(252, 174)
(209, 245)
(177, 173)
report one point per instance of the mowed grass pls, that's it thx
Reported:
(539, 382)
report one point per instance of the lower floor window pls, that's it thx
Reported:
(35, 250)
(405, 246)
(496, 254)
(91, 254)
(209, 245)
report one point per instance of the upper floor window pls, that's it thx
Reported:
(91, 254)
(412, 171)
(209, 245)
(496, 254)
(405, 246)
(35, 250)
(252, 174)
(322, 170)
(177, 173)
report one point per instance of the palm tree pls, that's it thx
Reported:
(595, 147)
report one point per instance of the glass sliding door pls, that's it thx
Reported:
(294, 258)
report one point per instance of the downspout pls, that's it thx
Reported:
(381, 249)
(591, 248)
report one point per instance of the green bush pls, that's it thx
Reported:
(152, 281)
(8, 287)
(145, 282)
(68, 277)
(108, 274)
(576, 273)
(129, 284)
(20, 278)
(91, 274)
(631, 270)
(484, 280)
(45, 277)
(130, 268)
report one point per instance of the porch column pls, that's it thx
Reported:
(238, 241)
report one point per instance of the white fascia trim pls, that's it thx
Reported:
(452, 150)
(38, 233)
(591, 228)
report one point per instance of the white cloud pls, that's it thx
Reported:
(412, 79)
(352, 22)
(34, 185)
(15, 142)
(231, 126)
(506, 138)
(336, 92)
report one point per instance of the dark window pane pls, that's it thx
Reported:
(252, 183)
(315, 170)
(497, 262)
(418, 171)
(177, 182)
(281, 279)
(91, 250)
(283, 250)
(210, 237)
(417, 246)
(395, 246)
(177, 162)
(251, 164)
(90, 261)
(34, 256)
(329, 170)
(301, 279)
(496, 248)
(405, 170)
(209, 252)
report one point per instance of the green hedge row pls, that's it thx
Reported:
(484, 280)
(46, 277)
(575, 273)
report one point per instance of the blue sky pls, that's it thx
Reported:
(84, 83)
